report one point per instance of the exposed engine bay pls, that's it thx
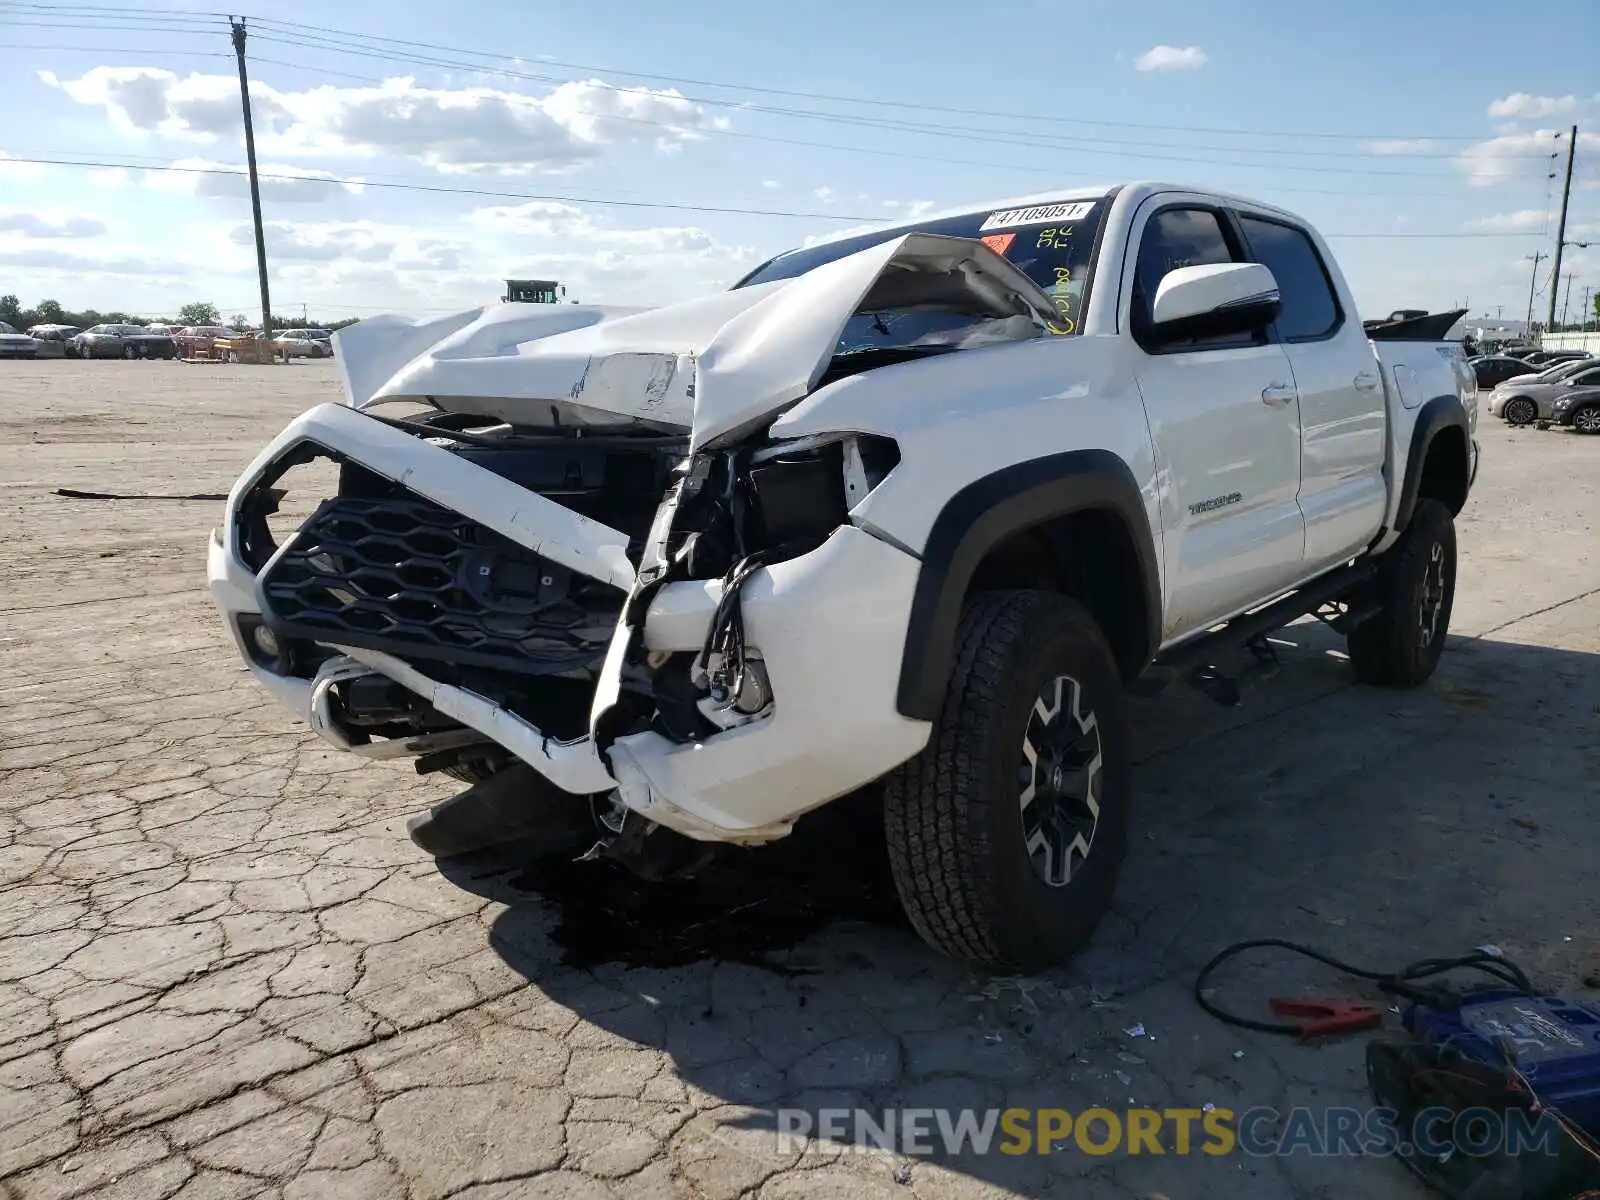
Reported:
(382, 567)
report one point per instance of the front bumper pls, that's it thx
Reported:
(829, 625)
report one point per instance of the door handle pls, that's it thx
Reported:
(1278, 394)
(1366, 381)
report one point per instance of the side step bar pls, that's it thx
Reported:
(1195, 659)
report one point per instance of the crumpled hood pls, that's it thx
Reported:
(541, 364)
(717, 366)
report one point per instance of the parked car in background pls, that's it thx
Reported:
(159, 327)
(1533, 398)
(1494, 369)
(1579, 407)
(197, 340)
(1519, 351)
(14, 344)
(124, 341)
(55, 341)
(303, 343)
(1546, 358)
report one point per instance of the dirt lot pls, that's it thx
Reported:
(225, 972)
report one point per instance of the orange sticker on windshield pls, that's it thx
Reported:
(998, 242)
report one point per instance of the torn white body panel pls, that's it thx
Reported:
(517, 362)
(720, 364)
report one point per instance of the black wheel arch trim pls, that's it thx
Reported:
(1433, 418)
(983, 514)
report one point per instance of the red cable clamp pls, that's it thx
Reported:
(1328, 1017)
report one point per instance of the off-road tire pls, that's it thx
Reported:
(1393, 647)
(953, 814)
(1519, 410)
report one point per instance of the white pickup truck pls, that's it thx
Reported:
(912, 508)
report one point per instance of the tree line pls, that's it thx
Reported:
(200, 312)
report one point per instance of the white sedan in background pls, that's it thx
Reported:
(304, 343)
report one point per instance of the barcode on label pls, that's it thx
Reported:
(1075, 211)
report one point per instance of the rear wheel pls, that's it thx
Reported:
(1587, 420)
(1400, 645)
(1007, 832)
(1520, 411)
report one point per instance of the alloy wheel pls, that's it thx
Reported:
(1059, 779)
(1586, 420)
(1520, 412)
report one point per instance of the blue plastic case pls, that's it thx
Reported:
(1555, 1043)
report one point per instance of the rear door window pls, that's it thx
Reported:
(1310, 308)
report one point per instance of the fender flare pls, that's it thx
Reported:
(1433, 418)
(982, 515)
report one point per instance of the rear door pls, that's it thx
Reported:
(1343, 424)
(1225, 422)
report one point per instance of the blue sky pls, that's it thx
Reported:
(1379, 122)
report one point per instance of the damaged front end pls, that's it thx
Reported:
(678, 619)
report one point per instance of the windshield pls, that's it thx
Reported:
(4, 328)
(1050, 243)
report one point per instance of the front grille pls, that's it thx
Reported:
(411, 578)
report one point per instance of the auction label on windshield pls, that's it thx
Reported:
(1075, 211)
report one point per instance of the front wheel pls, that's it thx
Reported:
(1587, 420)
(1007, 832)
(1520, 411)
(1399, 645)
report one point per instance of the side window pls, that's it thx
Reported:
(1173, 238)
(1587, 379)
(1310, 309)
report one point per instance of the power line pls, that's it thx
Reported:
(298, 27)
(451, 191)
(989, 136)
(339, 39)
(564, 199)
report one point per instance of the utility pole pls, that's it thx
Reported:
(305, 318)
(1533, 286)
(1568, 301)
(1561, 227)
(255, 184)
(1586, 313)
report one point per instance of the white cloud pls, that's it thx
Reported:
(1513, 222)
(1171, 58)
(110, 179)
(467, 129)
(11, 169)
(355, 241)
(825, 194)
(40, 226)
(280, 182)
(1524, 106)
(1401, 146)
(44, 258)
(1526, 156)
(769, 183)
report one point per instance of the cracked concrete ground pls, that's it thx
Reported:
(226, 973)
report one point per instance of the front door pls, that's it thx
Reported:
(1225, 420)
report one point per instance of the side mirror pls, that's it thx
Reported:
(1213, 301)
